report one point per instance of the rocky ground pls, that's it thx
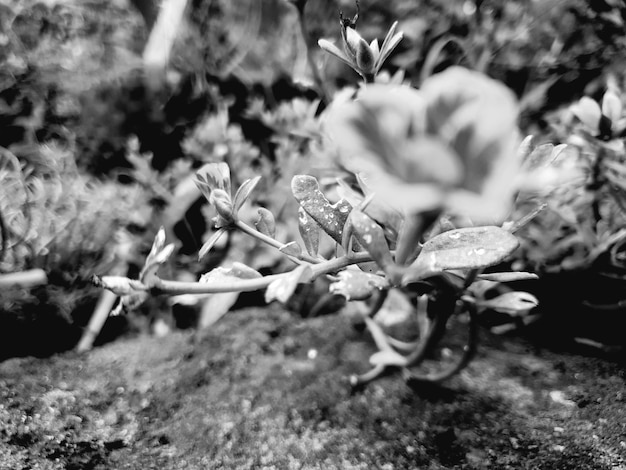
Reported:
(264, 389)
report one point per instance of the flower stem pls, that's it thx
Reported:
(248, 285)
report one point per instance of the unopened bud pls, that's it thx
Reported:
(223, 204)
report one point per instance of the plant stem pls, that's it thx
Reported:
(317, 78)
(303, 257)
(248, 285)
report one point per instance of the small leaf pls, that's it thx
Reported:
(158, 255)
(388, 357)
(236, 271)
(512, 303)
(157, 245)
(291, 249)
(526, 147)
(588, 112)
(371, 236)
(213, 239)
(266, 223)
(215, 307)
(243, 193)
(508, 277)
(164, 254)
(357, 285)
(331, 217)
(283, 288)
(309, 231)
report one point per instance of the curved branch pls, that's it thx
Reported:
(468, 352)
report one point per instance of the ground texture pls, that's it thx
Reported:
(263, 389)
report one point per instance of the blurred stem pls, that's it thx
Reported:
(248, 285)
(596, 184)
(468, 352)
(3, 235)
(156, 55)
(30, 278)
(304, 31)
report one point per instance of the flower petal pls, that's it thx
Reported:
(215, 176)
(334, 50)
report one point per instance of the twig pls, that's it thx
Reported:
(30, 278)
(273, 243)
(96, 322)
(317, 78)
(156, 54)
(468, 352)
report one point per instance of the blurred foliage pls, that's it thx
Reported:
(240, 90)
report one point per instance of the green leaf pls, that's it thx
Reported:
(210, 243)
(159, 254)
(370, 235)
(283, 288)
(464, 248)
(235, 272)
(243, 193)
(331, 217)
(508, 277)
(357, 285)
(309, 231)
(215, 307)
(291, 249)
(512, 303)
(266, 223)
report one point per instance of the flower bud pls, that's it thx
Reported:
(224, 206)
(354, 43)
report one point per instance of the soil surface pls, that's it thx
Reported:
(264, 389)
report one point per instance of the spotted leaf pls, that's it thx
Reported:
(331, 217)
(465, 248)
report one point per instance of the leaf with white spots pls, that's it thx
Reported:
(331, 217)
(309, 231)
(464, 248)
(371, 236)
